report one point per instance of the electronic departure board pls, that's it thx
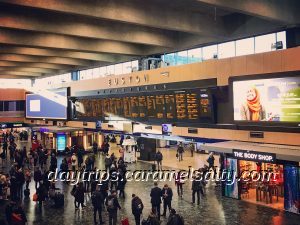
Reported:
(134, 103)
(182, 106)
(192, 106)
(127, 108)
(143, 107)
(170, 106)
(151, 106)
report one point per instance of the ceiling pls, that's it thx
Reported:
(43, 38)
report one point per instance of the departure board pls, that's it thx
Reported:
(106, 106)
(205, 104)
(181, 109)
(127, 108)
(119, 107)
(143, 107)
(160, 106)
(170, 106)
(151, 106)
(134, 103)
(112, 106)
(192, 106)
(187, 106)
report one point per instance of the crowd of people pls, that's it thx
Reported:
(37, 164)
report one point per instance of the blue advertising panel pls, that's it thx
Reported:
(61, 142)
(231, 185)
(291, 189)
(47, 104)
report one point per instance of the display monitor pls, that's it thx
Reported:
(61, 142)
(45, 104)
(269, 100)
(166, 129)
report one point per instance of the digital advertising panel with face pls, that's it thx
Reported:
(268, 100)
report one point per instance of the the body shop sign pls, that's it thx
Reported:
(254, 156)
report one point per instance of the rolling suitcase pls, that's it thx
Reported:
(125, 221)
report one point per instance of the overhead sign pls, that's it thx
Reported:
(254, 156)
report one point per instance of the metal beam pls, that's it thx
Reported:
(132, 12)
(17, 73)
(6, 76)
(102, 57)
(31, 69)
(284, 11)
(36, 65)
(38, 59)
(56, 41)
(84, 27)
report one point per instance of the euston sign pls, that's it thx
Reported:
(254, 156)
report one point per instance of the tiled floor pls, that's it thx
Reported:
(213, 210)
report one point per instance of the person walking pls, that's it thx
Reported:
(112, 205)
(180, 151)
(97, 201)
(79, 196)
(74, 162)
(159, 158)
(179, 182)
(197, 189)
(37, 177)
(137, 207)
(167, 195)
(156, 194)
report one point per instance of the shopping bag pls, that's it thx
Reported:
(34, 197)
(125, 221)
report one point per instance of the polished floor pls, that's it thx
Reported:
(213, 209)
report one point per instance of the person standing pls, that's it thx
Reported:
(37, 177)
(97, 201)
(159, 158)
(197, 189)
(4, 147)
(137, 207)
(79, 196)
(112, 205)
(179, 182)
(180, 151)
(156, 194)
(167, 195)
(192, 149)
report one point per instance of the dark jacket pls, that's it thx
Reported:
(137, 206)
(158, 156)
(196, 185)
(168, 196)
(175, 219)
(37, 175)
(79, 194)
(115, 206)
(156, 196)
(97, 200)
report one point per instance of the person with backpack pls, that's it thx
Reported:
(167, 195)
(97, 201)
(180, 151)
(159, 158)
(174, 218)
(211, 162)
(156, 194)
(112, 205)
(137, 207)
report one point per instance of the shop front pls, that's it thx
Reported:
(262, 177)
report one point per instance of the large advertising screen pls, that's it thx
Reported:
(47, 104)
(273, 99)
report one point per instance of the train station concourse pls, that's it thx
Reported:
(162, 112)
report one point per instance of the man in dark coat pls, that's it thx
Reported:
(156, 195)
(167, 195)
(137, 207)
(197, 189)
(112, 205)
(97, 201)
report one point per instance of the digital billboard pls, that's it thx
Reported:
(47, 104)
(272, 99)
